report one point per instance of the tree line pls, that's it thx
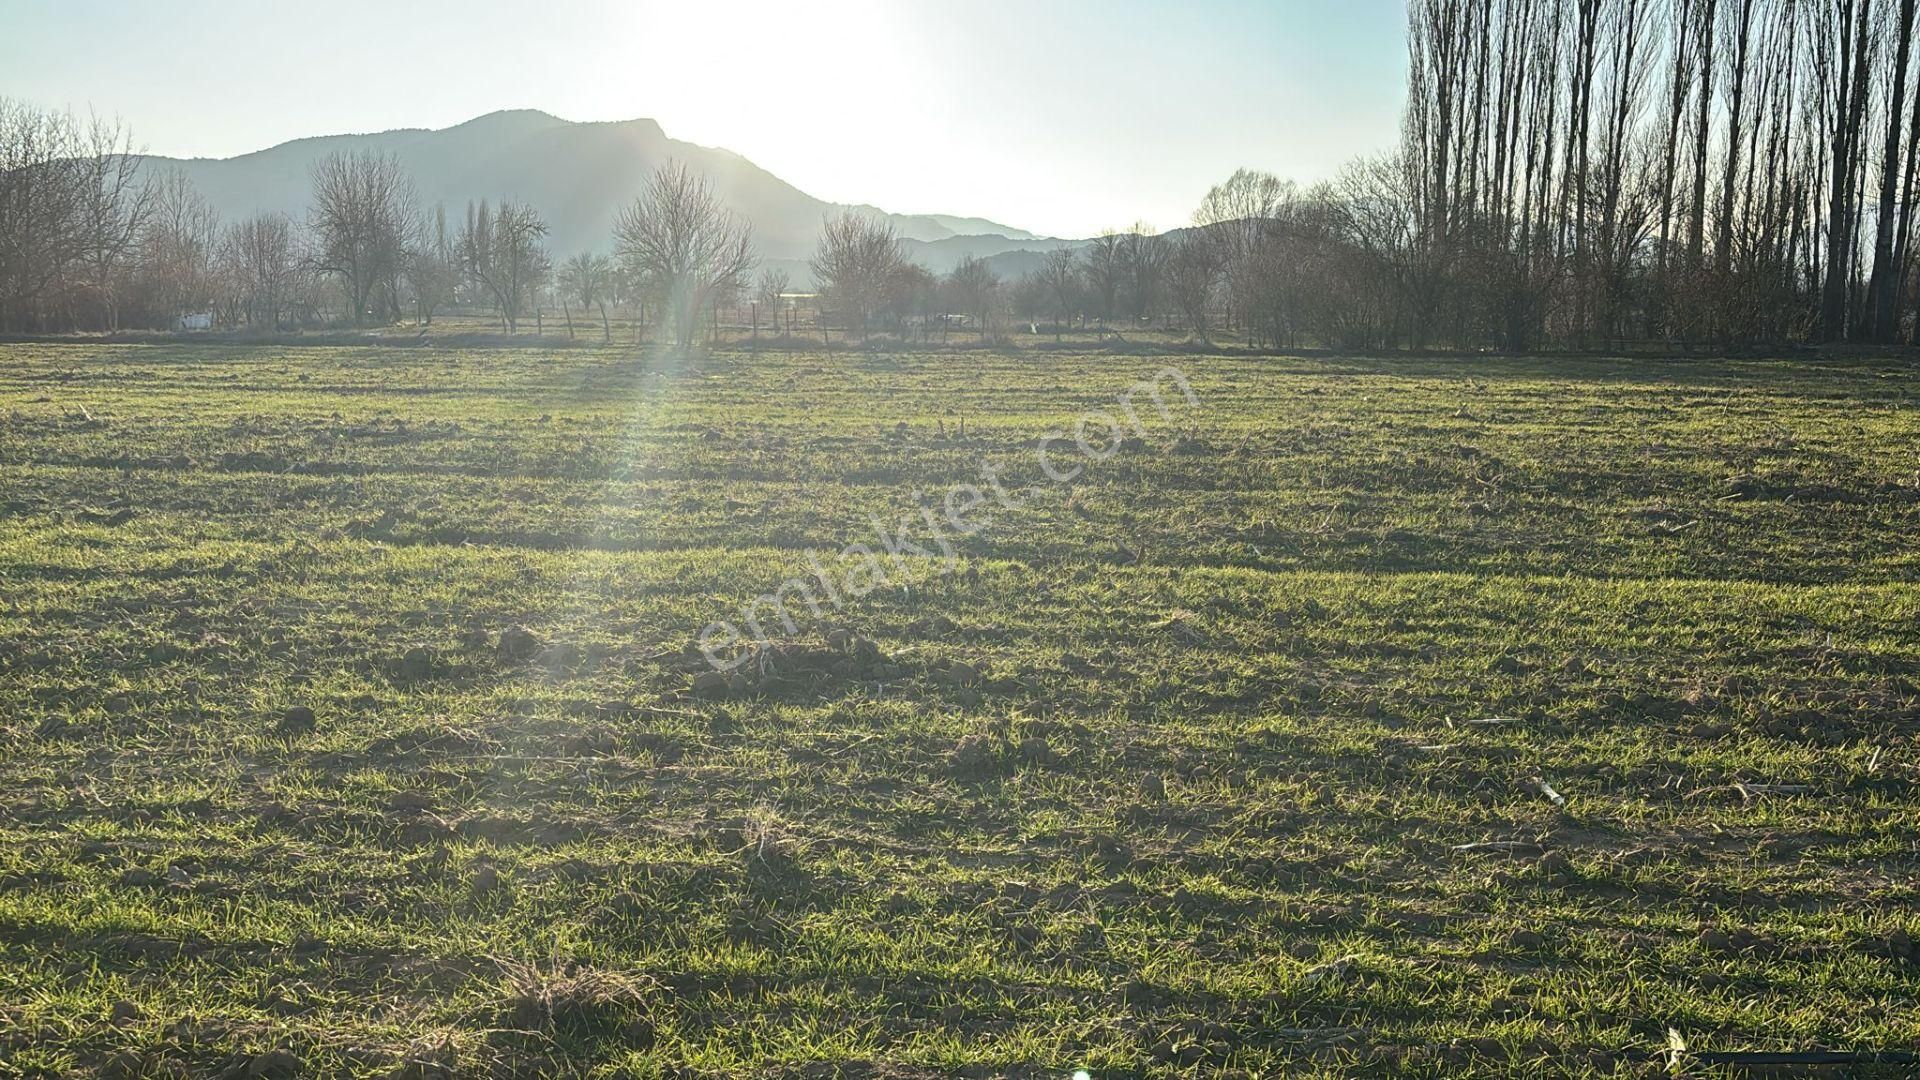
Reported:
(1570, 173)
(89, 243)
(1587, 172)
(1576, 174)
(1592, 174)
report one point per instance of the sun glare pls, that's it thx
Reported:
(854, 68)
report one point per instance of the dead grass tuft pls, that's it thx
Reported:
(576, 1000)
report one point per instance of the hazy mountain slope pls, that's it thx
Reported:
(577, 174)
(932, 227)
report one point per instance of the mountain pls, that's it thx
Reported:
(578, 175)
(932, 227)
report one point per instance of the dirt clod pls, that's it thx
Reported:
(972, 754)
(416, 664)
(274, 1065)
(517, 643)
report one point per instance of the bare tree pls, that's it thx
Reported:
(1193, 268)
(1379, 218)
(115, 206)
(1060, 271)
(975, 289)
(588, 278)
(857, 265)
(1235, 216)
(364, 220)
(910, 290)
(1104, 271)
(178, 249)
(685, 247)
(1266, 288)
(769, 295)
(72, 209)
(1846, 134)
(433, 267)
(262, 265)
(1143, 258)
(1028, 296)
(1883, 290)
(500, 251)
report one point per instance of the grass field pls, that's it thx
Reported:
(348, 721)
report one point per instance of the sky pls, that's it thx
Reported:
(1063, 117)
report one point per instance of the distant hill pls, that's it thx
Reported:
(930, 227)
(578, 175)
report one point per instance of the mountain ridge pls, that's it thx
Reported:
(578, 174)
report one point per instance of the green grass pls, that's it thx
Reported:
(1167, 777)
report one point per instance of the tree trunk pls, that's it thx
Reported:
(1883, 292)
(1696, 229)
(1849, 107)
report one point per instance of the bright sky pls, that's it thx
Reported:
(1059, 116)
